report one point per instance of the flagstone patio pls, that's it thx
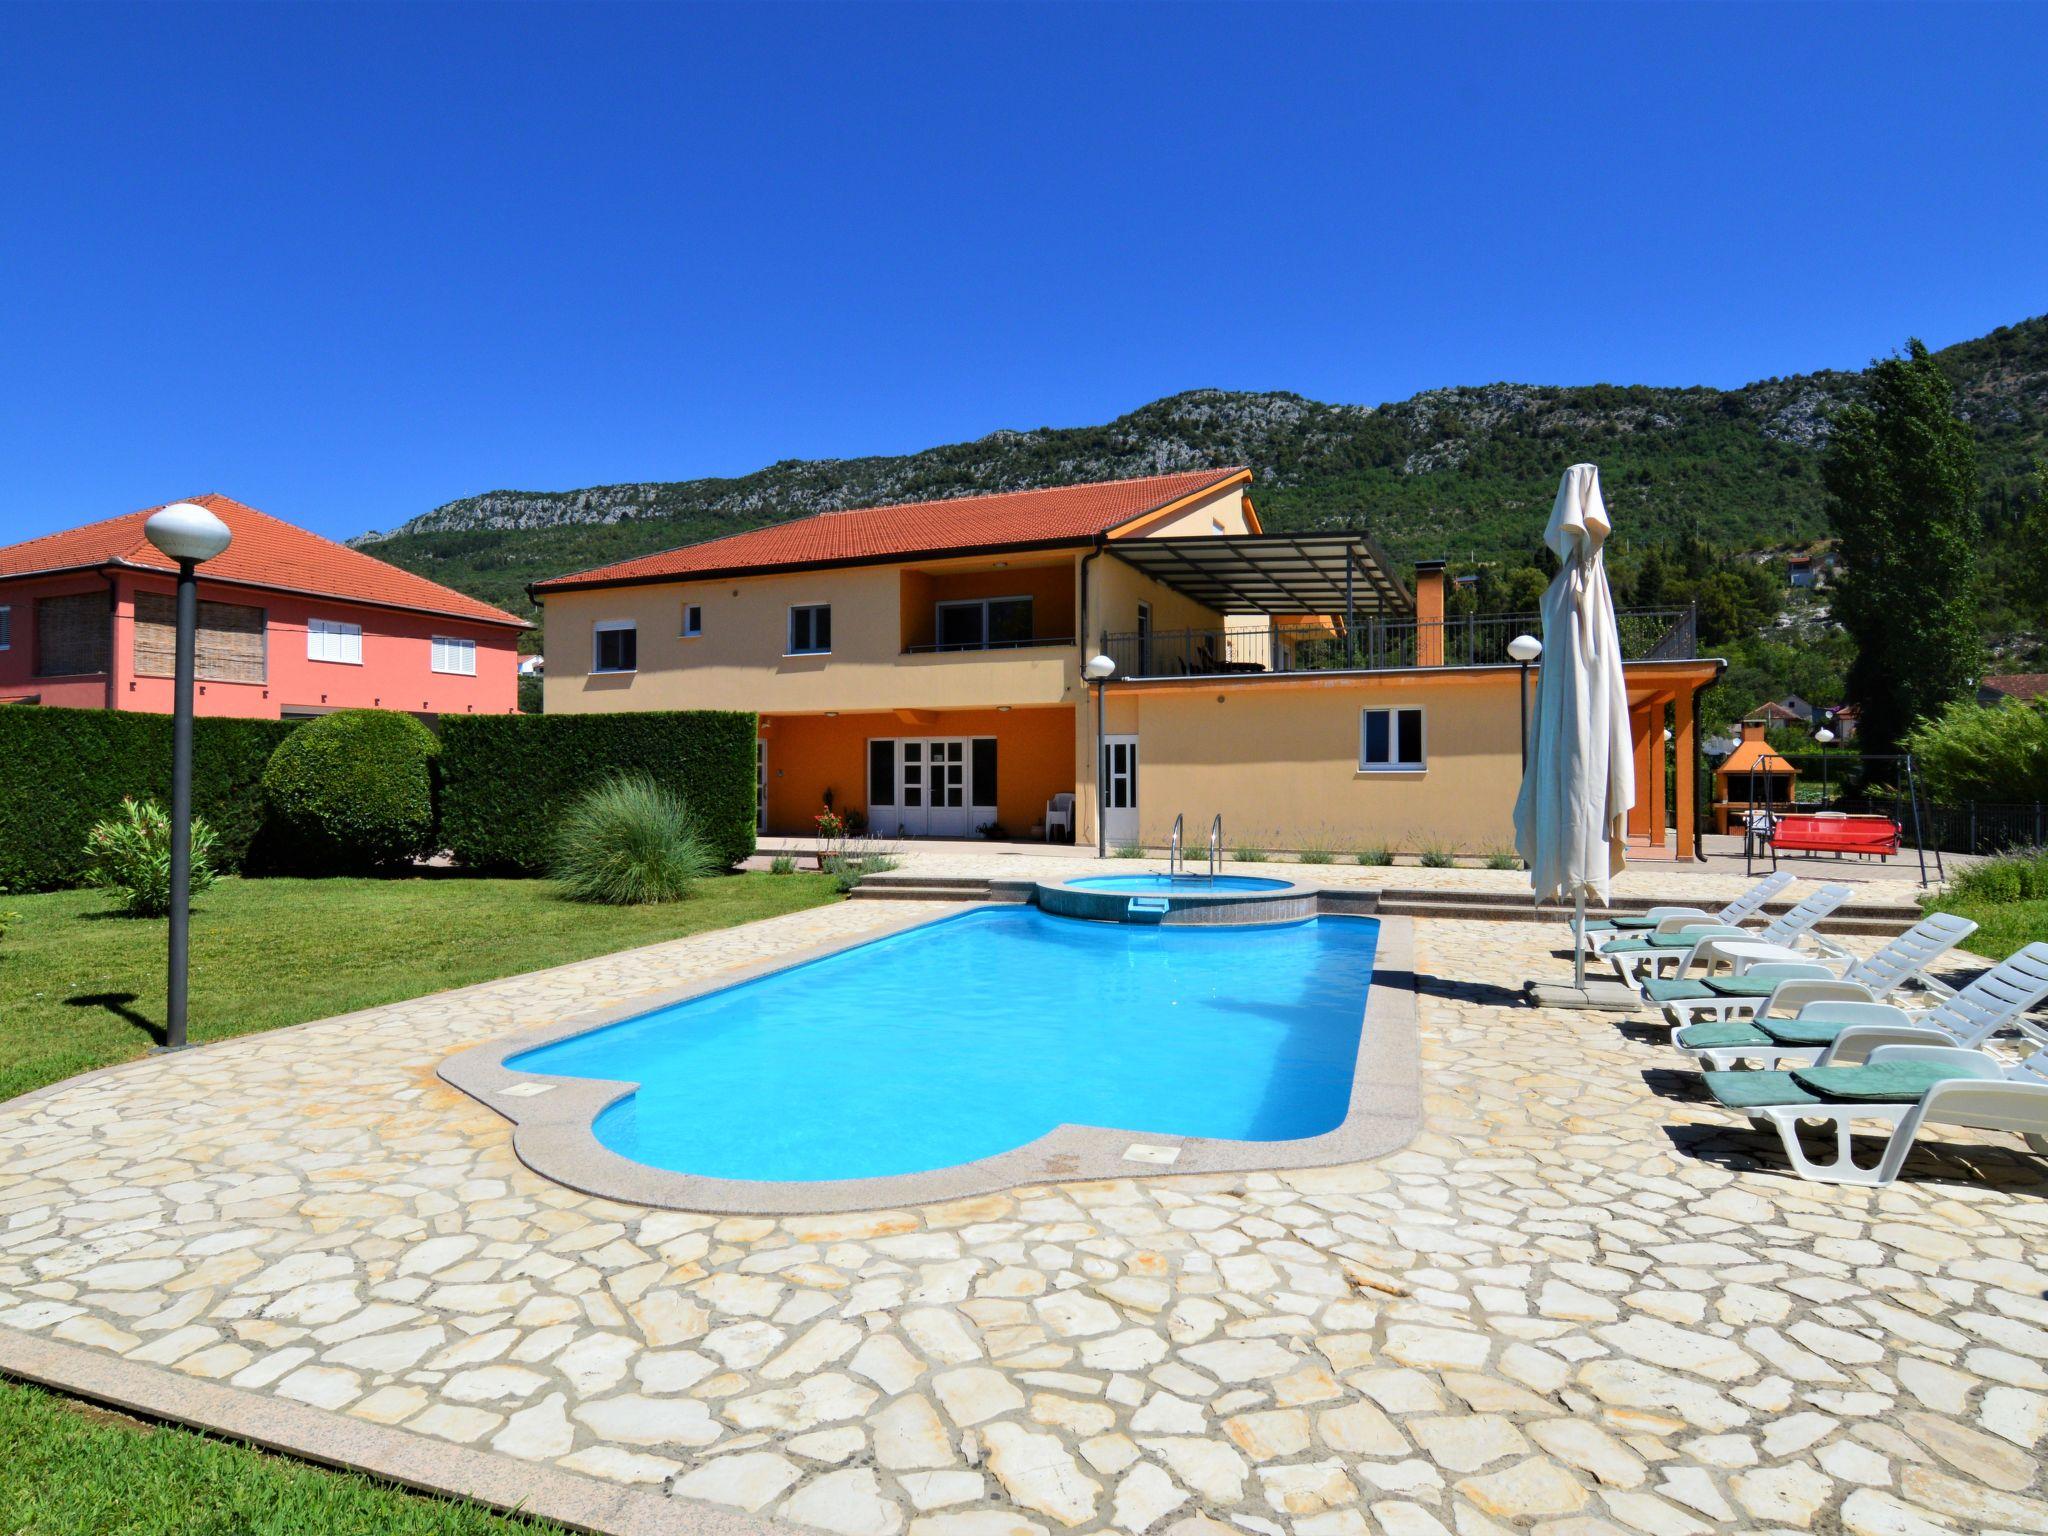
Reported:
(1579, 1303)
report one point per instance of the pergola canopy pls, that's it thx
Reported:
(1322, 573)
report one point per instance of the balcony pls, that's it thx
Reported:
(1477, 640)
(954, 647)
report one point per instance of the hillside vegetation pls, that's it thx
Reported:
(1467, 473)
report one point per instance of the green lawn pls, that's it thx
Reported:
(70, 1470)
(81, 987)
(2002, 926)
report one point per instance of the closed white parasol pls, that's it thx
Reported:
(1571, 815)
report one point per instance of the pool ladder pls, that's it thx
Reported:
(1176, 852)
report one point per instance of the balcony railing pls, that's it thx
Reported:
(987, 645)
(1476, 640)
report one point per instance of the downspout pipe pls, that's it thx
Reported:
(1080, 665)
(106, 573)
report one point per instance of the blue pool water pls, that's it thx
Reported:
(1159, 885)
(974, 1035)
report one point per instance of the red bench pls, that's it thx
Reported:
(1876, 835)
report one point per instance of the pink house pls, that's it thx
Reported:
(290, 625)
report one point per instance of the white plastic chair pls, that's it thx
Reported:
(1800, 979)
(1671, 919)
(1985, 1095)
(1996, 1001)
(1787, 930)
(1059, 812)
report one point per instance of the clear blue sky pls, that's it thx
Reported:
(349, 263)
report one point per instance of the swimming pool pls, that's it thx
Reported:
(1160, 885)
(965, 1038)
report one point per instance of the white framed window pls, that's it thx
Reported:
(615, 646)
(333, 640)
(693, 621)
(1391, 740)
(6, 627)
(810, 629)
(453, 655)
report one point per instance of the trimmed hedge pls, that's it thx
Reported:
(62, 770)
(506, 779)
(351, 791)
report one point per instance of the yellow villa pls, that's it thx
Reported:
(926, 665)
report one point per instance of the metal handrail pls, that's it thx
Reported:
(1173, 854)
(1216, 845)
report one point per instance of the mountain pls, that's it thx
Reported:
(1467, 473)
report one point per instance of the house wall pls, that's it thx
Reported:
(1050, 588)
(396, 671)
(1197, 519)
(739, 661)
(1279, 760)
(808, 754)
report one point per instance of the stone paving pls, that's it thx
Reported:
(1578, 1304)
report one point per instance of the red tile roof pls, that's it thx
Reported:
(266, 552)
(1067, 514)
(2018, 685)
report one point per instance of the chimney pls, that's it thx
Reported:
(1429, 613)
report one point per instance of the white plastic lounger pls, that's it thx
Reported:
(1901, 1086)
(1638, 961)
(1758, 980)
(1671, 919)
(1841, 1030)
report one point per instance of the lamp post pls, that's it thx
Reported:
(189, 534)
(1099, 671)
(1525, 649)
(1826, 739)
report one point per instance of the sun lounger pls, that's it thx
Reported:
(1765, 980)
(1672, 919)
(1901, 1086)
(1836, 1031)
(1675, 954)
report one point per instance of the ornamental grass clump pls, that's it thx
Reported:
(129, 856)
(628, 842)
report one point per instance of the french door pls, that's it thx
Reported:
(933, 787)
(1120, 789)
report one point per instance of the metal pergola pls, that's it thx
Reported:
(1309, 573)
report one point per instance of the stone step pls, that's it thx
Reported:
(867, 891)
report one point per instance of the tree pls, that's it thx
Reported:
(1901, 478)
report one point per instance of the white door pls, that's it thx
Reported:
(1120, 789)
(910, 806)
(946, 788)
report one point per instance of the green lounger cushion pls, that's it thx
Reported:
(1741, 986)
(1754, 1090)
(1890, 1082)
(1714, 1036)
(1612, 924)
(1884, 1082)
(1675, 990)
(1817, 1024)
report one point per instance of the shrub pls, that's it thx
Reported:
(1128, 851)
(507, 779)
(849, 872)
(351, 791)
(1245, 853)
(627, 842)
(2021, 875)
(64, 770)
(1315, 856)
(131, 857)
(1376, 855)
(1503, 858)
(1437, 856)
(1974, 751)
(782, 864)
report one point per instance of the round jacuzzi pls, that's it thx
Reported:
(1174, 899)
(1170, 885)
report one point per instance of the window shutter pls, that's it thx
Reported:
(71, 634)
(228, 648)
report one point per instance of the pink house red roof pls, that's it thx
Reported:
(266, 552)
(1066, 514)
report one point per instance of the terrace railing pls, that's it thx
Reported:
(1474, 640)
